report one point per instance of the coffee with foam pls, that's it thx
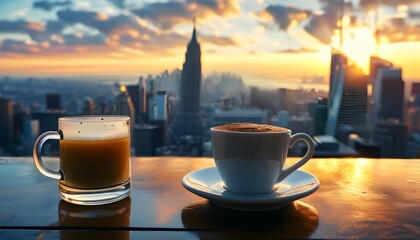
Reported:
(87, 128)
(250, 157)
(250, 127)
(94, 151)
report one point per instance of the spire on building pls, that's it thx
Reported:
(188, 120)
(193, 41)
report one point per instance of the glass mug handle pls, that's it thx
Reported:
(37, 154)
(309, 153)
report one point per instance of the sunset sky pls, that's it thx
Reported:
(266, 42)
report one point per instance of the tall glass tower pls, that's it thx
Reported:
(188, 120)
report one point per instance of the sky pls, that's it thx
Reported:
(266, 42)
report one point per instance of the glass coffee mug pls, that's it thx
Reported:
(95, 164)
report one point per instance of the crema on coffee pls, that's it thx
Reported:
(250, 127)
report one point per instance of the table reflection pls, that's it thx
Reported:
(297, 220)
(108, 221)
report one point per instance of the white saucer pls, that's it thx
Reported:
(208, 184)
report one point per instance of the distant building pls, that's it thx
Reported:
(288, 100)
(147, 138)
(142, 111)
(348, 100)
(365, 147)
(134, 93)
(124, 105)
(138, 96)
(30, 133)
(318, 111)
(302, 123)
(254, 98)
(338, 61)
(415, 88)
(282, 99)
(413, 146)
(161, 107)
(413, 115)
(281, 119)
(388, 95)
(48, 121)
(160, 114)
(18, 119)
(249, 115)
(392, 137)
(6, 122)
(377, 63)
(325, 146)
(326, 143)
(188, 121)
(53, 101)
(88, 107)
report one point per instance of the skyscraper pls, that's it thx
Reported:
(188, 120)
(6, 122)
(391, 137)
(161, 107)
(338, 61)
(318, 111)
(137, 93)
(124, 105)
(53, 101)
(377, 63)
(388, 95)
(348, 101)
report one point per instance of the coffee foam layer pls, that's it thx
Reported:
(250, 127)
(94, 128)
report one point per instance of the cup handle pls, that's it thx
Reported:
(309, 153)
(37, 154)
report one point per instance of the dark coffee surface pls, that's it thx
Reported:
(250, 127)
(95, 164)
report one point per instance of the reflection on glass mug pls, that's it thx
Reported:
(95, 165)
(109, 221)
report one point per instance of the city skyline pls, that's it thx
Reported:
(265, 42)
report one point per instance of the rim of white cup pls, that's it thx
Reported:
(94, 118)
(214, 129)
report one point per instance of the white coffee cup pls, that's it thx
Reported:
(253, 162)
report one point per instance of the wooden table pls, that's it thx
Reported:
(358, 198)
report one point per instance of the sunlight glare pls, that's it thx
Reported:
(358, 45)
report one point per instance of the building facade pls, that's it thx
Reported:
(188, 120)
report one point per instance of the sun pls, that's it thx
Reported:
(358, 44)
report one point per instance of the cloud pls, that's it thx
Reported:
(373, 4)
(204, 8)
(77, 39)
(220, 41)
(118, 3)
(15, 46)
(398, 30)
(321, 26)
(299, 50)
(283, 16)
(53, 26)
(167, 15)
(85, 17)
(20, 26)
(48, 6)
(121, 24)
(35, 30)
(123, 29)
